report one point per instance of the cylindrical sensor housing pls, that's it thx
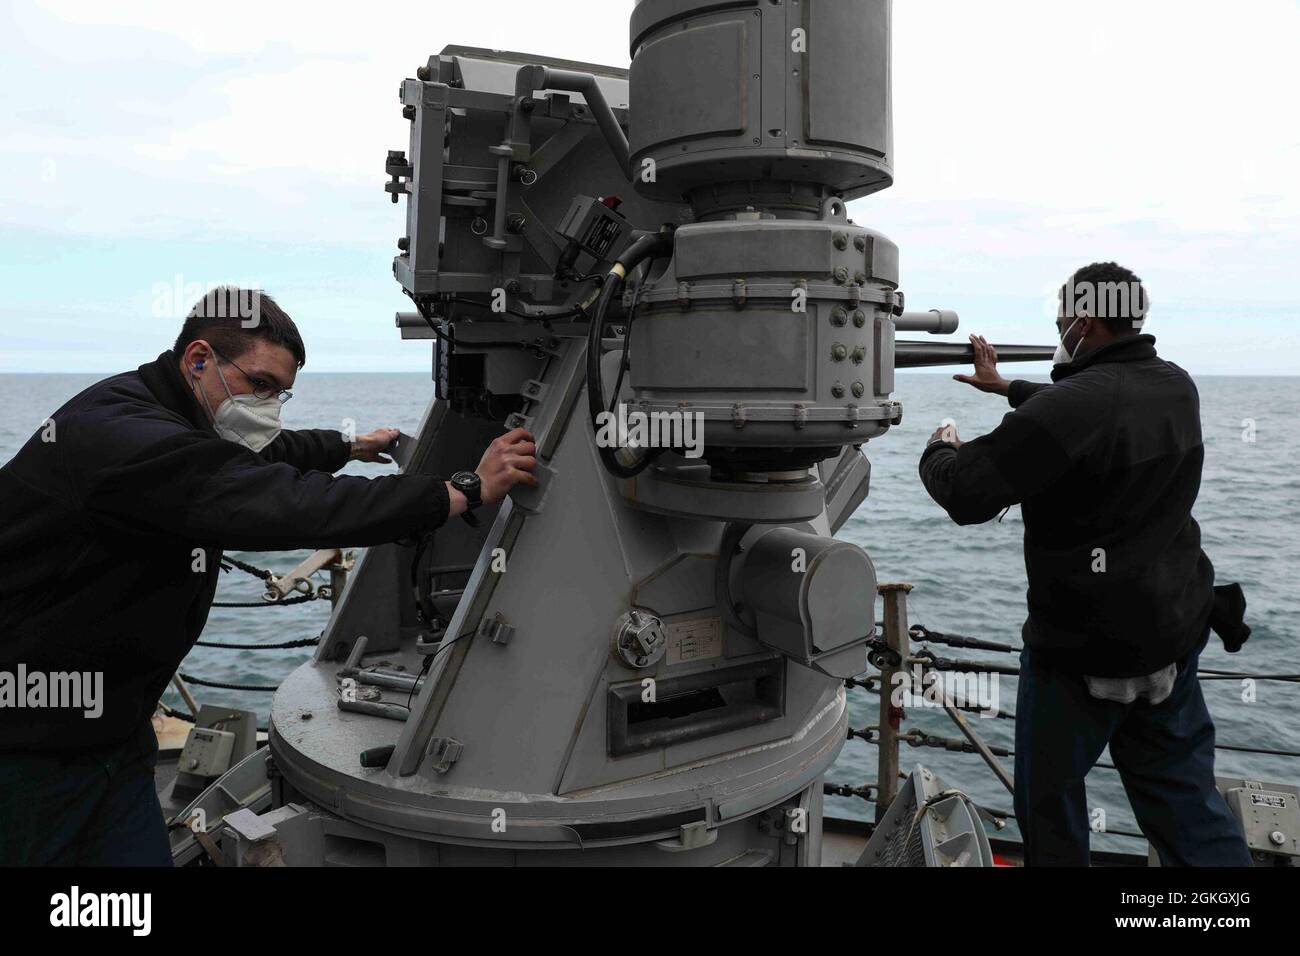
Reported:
(776, 91)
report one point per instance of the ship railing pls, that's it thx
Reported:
(891, 653)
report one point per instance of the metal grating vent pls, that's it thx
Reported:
(947, 834)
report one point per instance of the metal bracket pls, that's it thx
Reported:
(693, 837)
(534, 390)
(739, 295)
(444, 752)
(249, 825)
(496, 628)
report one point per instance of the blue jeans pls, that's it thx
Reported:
(1165, 757)
(94, 808)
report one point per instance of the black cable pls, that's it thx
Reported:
(659, 244)
(428, 663)
(199, 682)
(421, 611)
(627, 338)
(286, 645)
(249, 568)
(283, 602)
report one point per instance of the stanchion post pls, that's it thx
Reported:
(891, 716)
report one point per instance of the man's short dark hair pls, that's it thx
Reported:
(1107, 291)
(229, 319)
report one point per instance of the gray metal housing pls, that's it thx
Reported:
(642, 669)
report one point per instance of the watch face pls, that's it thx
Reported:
(466, 480)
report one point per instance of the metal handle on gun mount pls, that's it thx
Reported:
(926, 354)
(530, 78)
(527, 80)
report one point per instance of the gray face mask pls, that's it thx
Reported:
(1061, 356)
(246, 419)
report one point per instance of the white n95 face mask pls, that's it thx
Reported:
(253, 422)
(1061, 356)
(246, 419)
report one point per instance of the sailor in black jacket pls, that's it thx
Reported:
(113, 520)
(1105, 463)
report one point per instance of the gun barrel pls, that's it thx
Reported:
(926, 354)
(936, 321)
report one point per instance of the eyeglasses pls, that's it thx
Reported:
(261, 387)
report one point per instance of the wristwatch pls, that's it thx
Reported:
(469, 485)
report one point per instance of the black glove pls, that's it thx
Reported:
(1227, 617)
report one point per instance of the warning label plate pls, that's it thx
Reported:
(695, 639)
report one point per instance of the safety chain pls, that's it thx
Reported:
(918, 738)
(867, 792)
(321, 593)
(921, 633)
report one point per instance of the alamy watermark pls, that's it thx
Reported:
(1105, 300)
(173, 300)
(58, 690)
(678, 430)
(74, 908)
(923, 687)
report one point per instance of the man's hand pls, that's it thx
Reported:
(507, 462)
(946, 433)
(986, 377)
(367, 447)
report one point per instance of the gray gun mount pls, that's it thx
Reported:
(641, 659)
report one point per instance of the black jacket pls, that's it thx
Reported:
(111, 537)
(1106, 464)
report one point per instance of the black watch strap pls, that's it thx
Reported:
(469, 485)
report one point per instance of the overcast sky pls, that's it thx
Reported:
(147, 143)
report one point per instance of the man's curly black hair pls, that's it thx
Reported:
(1110, 292)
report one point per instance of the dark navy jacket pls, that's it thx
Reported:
(1106, 465)
(99, 529)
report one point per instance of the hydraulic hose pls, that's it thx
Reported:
(657, 246)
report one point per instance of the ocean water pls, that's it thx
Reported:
(967, 580)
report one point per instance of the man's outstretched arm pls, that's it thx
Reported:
(322, 449)
(988, 379)
(211, 491)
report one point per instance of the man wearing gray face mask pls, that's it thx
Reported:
(113, 520)
(1105, 463)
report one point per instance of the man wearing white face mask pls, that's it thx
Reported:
(1105, 463)
(113, 520)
